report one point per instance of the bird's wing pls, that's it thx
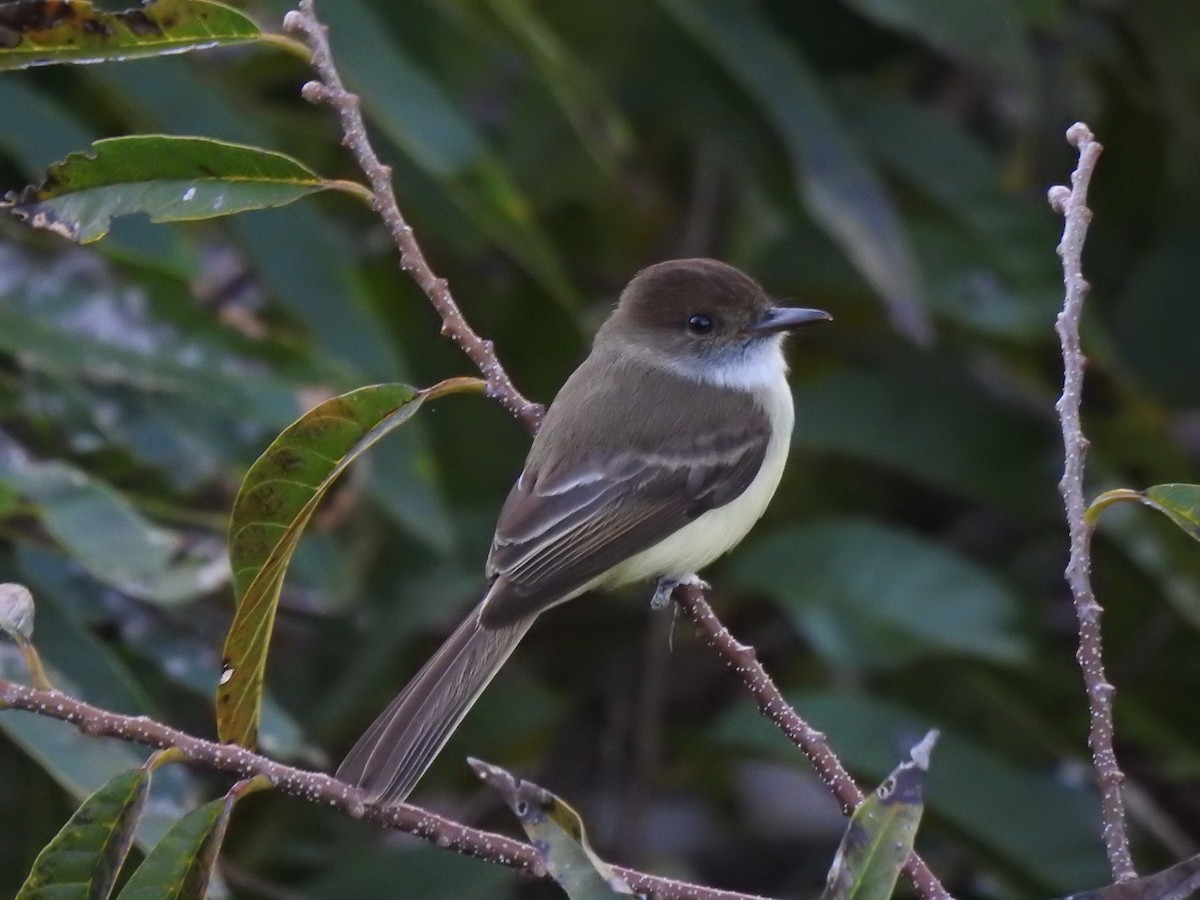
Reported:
(555, 534)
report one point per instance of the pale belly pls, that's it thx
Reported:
(719, 530)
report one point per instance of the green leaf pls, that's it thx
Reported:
(1038, 823)
(872, 596)
(277, 498)
(293, 251)
(984, 34)
(81, 764)
(181, 864)
(83, 860)
(558, 835)
(106, 535)
(1179, 502)
(168, 177)
(41, 33)
(840, 190)
(880, 836)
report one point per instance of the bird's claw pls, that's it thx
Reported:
(666, 586)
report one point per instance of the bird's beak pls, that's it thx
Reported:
(786, 318)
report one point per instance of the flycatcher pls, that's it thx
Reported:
(657, 456)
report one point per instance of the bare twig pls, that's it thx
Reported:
(330, 89)
(317, 787)
(1072, 203)
(812, 743)
(320, 788)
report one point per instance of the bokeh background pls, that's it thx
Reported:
(886, 160)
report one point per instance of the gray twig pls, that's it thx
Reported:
(330, 89)
(1071, 202)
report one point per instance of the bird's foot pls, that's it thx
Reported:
(667, 584)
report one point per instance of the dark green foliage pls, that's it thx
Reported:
(886, 161)
(84, 859)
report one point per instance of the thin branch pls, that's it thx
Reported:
(812, 743)
(1072, 203)
(316, 787)
(330, 89)
(320, 788)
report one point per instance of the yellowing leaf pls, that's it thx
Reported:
(45, 32)
(276, 501)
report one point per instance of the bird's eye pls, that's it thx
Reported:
(700, 324)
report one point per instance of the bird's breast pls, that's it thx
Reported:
(717, 531)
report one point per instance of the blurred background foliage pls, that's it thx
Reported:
(886, 160)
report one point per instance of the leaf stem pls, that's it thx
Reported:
(296, 48)
(353, 188)
(1091, 516)
(33, 660)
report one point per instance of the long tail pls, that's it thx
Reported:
(393, 754)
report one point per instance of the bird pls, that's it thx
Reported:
(657, 456)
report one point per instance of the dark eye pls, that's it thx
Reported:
(700, 324)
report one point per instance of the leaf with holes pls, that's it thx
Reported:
(881, 832)
(168, 177)
(42, 33)
(275, 502)
(1179, 502)
(558, 835)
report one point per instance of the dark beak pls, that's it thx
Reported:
(786, 318)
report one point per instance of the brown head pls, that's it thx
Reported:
(701, 311)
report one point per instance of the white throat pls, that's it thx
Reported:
(755, 367)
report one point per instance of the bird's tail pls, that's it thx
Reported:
(393, 754)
